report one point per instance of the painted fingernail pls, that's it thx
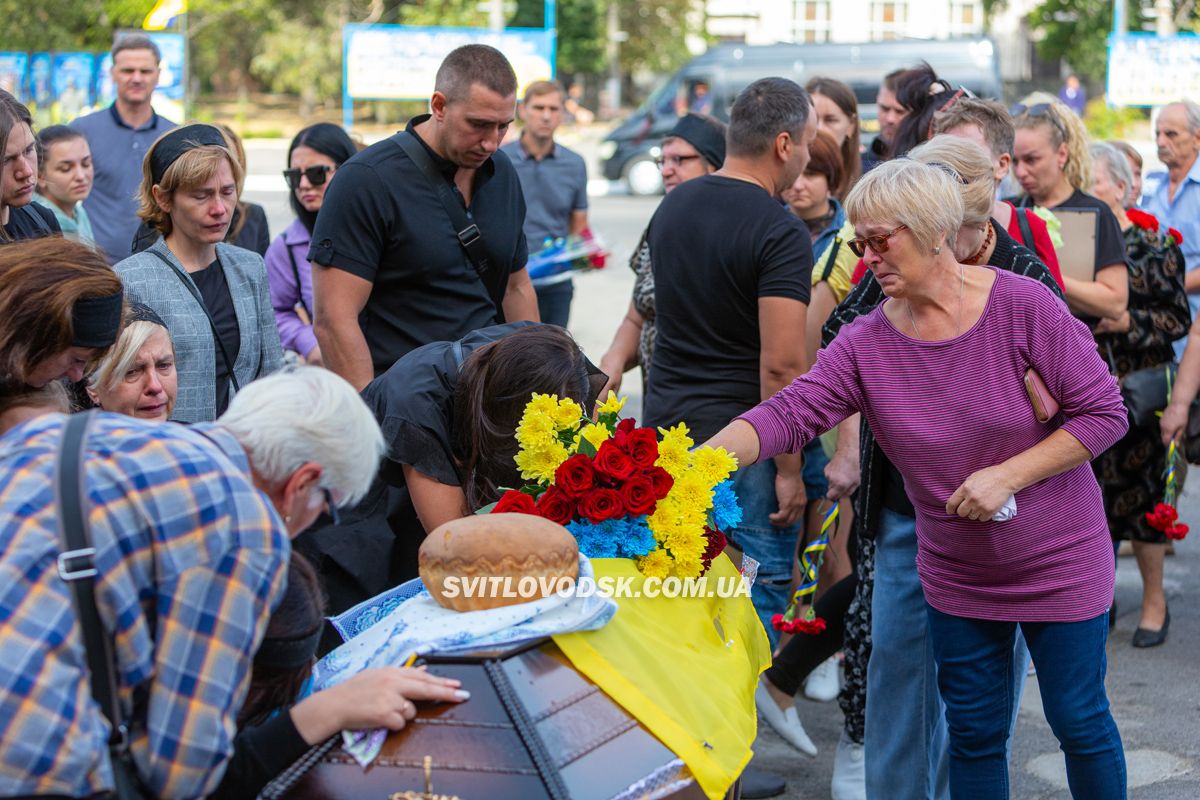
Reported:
(462, 694)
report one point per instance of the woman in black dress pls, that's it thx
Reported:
(1131, 473)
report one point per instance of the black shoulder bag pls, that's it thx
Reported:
(77, 567)
(1026, 231)
(467, 232)
(195, 293)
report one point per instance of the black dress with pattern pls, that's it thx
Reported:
(1131, 472)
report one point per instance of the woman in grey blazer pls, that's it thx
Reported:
(213, 296)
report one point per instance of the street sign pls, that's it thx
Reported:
(1148, 70)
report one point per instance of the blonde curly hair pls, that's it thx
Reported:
(1065, 128)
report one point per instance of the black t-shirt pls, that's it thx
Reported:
(718, 245)
(219, 302)
(382, 221)
(30, 221)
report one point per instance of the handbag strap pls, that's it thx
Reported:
(467, 232)
(77, 567)
(190, 285)
(296, 274)
(1022, 215)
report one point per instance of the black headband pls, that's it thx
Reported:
(170, 147)
(288, 653)
(96, 320)
(143, 313)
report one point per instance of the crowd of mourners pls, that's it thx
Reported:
(211, 439)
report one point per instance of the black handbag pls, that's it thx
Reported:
(1147, 391)
(77, 567)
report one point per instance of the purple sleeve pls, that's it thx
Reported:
(285, 296)
(1063, 351)
(810, 405)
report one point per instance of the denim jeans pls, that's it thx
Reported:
(816, 485)
(975, 673)
(905, 719)
(554, 302)
(773, 548)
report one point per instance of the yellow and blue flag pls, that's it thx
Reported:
(163, 14)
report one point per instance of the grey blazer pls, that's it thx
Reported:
(148, 280)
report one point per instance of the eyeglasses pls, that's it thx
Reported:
(316, 175)
(878, 243)
(961, 92)
(674, 161)
(331, 506)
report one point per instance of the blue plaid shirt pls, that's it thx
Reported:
(191, 558)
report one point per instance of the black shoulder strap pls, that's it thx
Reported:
(191, 287)
(833, 254)
(296, 274)
(77, 566)
(468, 233)
(1026, 231)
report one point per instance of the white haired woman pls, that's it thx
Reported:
(1132, 472)
(137, 377)
(938, 370)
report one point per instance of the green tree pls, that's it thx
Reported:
(658, 31)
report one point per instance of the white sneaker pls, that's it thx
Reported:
(823, 684)
(785, 722)
(849, 771)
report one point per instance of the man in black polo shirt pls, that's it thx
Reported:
(389, 271)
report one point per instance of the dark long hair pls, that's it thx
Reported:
(12, 113)
(328, 140)
(842, 97)
(922, 92)
(494, 386)
(300, 613)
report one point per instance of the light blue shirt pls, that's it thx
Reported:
(1182, 214)
(77, 226)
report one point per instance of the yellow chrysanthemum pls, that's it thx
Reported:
(596, 435)
(691, 491)
(655, 564)
(673, 457)
(541, 405)
(540, 464)
(567, 414)
(612, 404)
(713, 465)
(533, 430)
(687, 567)
(677, 434)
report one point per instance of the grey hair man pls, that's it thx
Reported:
(397, 263)
(732, 270)
(191, 528)
(1176, 200)
(119, 137)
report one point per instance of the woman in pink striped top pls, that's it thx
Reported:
(938, 371)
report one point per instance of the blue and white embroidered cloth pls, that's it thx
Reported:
(391, 627)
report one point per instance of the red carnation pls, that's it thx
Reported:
(612, 462)
(716, 545)
(637, 495)
(1176, 235)
(600, 505)
(642, 446)
(1176, 531)
(662, 481)
(808, 626)
(556, 506)
(575, 476)
(778, 622)
(1142, 219)
(514, 502)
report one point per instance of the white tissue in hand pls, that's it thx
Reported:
(1007, 511)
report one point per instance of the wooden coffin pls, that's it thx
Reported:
(533, 728)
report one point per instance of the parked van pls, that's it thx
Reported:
(709, 83)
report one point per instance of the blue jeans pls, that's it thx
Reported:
(816, 485)
(975, 673)
(773, 548)
(554, 302)
(905, 718)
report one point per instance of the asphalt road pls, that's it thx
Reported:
(1155, 693)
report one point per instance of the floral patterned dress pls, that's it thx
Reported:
(643, 301)
(1131, 472)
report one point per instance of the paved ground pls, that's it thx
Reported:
(1155, 693)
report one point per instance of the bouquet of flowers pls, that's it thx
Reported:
(621, 491)
(810, 565)
(574, 253)
(1165, 517)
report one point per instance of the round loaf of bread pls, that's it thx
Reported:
(493, 560)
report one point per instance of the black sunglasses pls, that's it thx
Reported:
(1045, 110)
(316, 175)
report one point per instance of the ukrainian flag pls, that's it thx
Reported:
(163, 14)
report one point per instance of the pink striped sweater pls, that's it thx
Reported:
(943, 410)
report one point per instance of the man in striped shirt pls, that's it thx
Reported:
(191, 529)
